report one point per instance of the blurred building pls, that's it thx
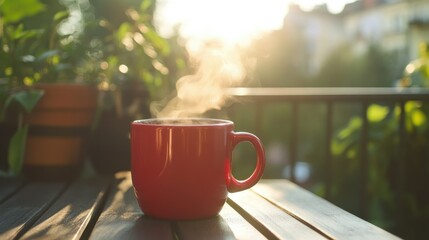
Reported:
(398, 26)
(320, 31)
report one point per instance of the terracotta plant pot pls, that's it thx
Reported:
(59, 126)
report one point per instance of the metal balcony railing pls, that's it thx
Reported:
(329, 97)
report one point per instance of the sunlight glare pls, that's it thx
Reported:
(237, 21)
(232, 22)
(215, 34)
(334, 6)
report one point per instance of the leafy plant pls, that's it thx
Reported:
(132, 55)
(115, 45)
(398, 166)
(16, 45)
(33, 50)
(132, 49)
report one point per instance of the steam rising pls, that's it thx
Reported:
(219, 68)
(231, 25)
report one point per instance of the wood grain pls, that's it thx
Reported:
(106, 208)
(239, 226)
(273, 222)
(8, 186)
(229, 224)
(19, 212)
(71, 213)
(122, 218)
(210, 228)
(317, 212)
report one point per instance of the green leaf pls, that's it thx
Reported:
(19, 33)
(346, 138)
(123, 30)
(353, 126)
(15, 10)
(47, 55)
(59, 16)
(5, 106)
(376, 113)
(158, 42)
(418, 118)
(17, 150)
(146, 5)
(28, 99)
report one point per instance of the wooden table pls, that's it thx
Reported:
(105, 208)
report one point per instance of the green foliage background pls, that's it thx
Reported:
(398, 171)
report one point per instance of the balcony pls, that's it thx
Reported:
(401, 152)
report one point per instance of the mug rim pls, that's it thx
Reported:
(184, 122)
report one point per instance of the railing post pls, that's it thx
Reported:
(328, 158)
(399, 161)
(294, 140)
(402, 148)
(363, 150)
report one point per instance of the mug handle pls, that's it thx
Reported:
(234, 185)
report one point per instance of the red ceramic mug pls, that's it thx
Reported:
(181, 168)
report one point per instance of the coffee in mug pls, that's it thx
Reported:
(181, 168)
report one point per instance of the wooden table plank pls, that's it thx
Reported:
(273, 222)
(240, 227)
(229, 224)
(19, 212)
(318, 212)
(123, 219)
(69, 216)
(8, 186)
(210, 228)
(106, 208)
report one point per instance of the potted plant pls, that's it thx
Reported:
(139, 66)
(120, 51)
(59, 104)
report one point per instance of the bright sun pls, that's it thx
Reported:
(235, 21)
(230, 21)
